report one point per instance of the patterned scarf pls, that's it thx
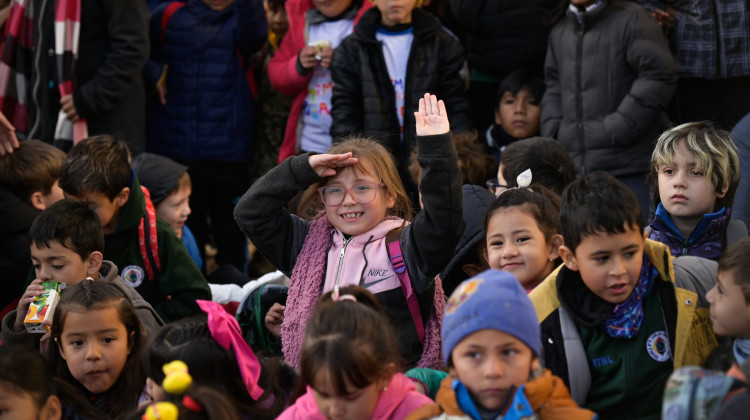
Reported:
(67, 34)
(16, 63)
(626, 317)
(305, 287)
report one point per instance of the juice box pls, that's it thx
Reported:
(42, 308)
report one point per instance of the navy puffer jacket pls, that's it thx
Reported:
(209, 111)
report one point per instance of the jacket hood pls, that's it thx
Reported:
(157, 173)
(16, 210)
(134, 209)
(477, 201)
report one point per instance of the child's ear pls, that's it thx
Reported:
(35, 199)
(94, 263)
(391, 200)
(52, 409)
(122, 197)
(724, 189)
(556, 241)
(498, 117)
(388, 372)
(568, 257)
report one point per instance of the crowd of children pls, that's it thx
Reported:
(601, 274)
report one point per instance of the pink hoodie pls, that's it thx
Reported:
(395, 403)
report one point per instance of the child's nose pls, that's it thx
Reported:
(618, 268)
(45, 273)
(349, 198)
(509, 250)
(92, 351)
(494, 367)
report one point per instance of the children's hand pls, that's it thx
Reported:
(8, 139)
(34, 290)
(325, 165)
(161, 86)
(307, 57)
(665, 17)
(274, 318)
(432, 119)
(69, 108)
(325, 57)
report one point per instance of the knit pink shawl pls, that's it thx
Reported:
(305, 287)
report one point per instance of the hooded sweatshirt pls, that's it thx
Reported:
(395, 402)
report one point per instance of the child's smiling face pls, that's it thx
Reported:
(352, 217)
(490, 364)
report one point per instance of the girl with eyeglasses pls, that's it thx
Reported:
(361, 211)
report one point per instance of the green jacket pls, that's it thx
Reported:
(681, 288)
(179, 283)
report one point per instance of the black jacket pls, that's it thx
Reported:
(15, 254)
(363, 97)
(609, 77)
(504, 35)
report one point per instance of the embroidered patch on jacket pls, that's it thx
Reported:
(462, 294)
(657, 346)
(134, 275)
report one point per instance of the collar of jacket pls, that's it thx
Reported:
(711, 221)
(592, 14)
(314, 17)
(424, 23)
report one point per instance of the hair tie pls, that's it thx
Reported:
(523, 180)
(191, 404)
(226, 331)
(348, 297)
(161, 411)
(177, 380)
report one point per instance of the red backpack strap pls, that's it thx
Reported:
(399, 266)
(249, 74)
(168, 12)
(149, 244)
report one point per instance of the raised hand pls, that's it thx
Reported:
(325, 165)
(432, 119)
(8, 140)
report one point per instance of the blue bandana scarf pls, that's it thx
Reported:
(627, 316)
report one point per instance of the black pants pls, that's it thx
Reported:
(217, 186)
(723, 101)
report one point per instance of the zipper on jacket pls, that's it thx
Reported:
(341, 262)
(579, 92)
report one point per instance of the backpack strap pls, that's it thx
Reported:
(399, 266)
(147, 238)
(168, 12)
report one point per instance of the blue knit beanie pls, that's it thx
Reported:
(495, 300)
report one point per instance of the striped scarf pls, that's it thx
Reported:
(16, 63)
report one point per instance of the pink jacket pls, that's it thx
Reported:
(395, 403)
(365, 263)
(282, 71)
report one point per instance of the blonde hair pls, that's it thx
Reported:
(713, 149)
(374, 160)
